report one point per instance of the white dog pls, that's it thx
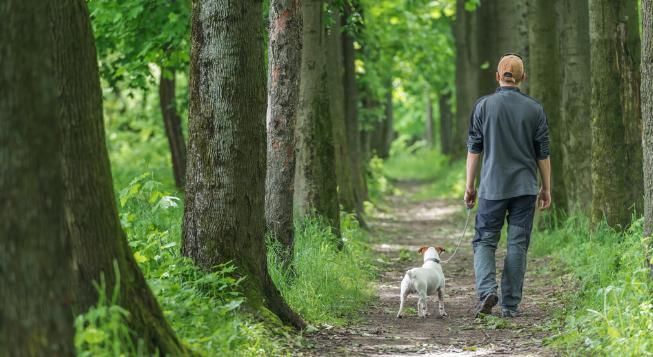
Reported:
(425, 281)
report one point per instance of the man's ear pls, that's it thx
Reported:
(440, 249)
(498, 77)
(421, 250)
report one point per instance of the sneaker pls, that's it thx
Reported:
(485, 305)
(507, 313)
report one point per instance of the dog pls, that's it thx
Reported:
(425, 281)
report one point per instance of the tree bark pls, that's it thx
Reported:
(99, 243)
(224, 216)
(172, 122)
(575, 98)
(647, 114)
(446, 123)
(283, 103)
(315, 176)
(545, 87)
(617, 179)
(35, 256)
(351, 113)
(335, 68)
(429, 132)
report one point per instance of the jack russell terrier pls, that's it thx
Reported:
(425, 281)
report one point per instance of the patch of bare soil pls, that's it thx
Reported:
(406, 226)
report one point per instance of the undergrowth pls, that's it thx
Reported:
(325, 284)
(610, 311)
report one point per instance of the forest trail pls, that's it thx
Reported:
(406, 225)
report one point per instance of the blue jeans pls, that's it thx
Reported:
(489, 221)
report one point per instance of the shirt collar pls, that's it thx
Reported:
(506, 88)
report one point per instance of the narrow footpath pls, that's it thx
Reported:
(398, 232)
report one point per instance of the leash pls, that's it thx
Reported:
(469, 214)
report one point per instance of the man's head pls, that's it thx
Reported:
(510, 71)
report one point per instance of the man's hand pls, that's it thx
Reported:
(544, 199)
(470, 198)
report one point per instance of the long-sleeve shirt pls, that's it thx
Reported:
(511, 130)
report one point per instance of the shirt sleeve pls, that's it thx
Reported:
(541, 141)
(475, 137)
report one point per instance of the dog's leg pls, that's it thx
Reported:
(421, 305)
(402, 297)
(441, 302)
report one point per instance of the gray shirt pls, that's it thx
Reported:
(510, 129)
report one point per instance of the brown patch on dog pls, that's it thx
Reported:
(422, 249)
(440, 249)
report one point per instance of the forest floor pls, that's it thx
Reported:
(405, 225)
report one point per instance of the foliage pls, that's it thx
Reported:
(325, 285)
(611, 311)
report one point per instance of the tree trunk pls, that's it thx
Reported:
(283, 103)
(315, 176)
(647, 113)
(446, 123)
(91, 215)
(468, 71)
(545, 86)
(224, 216)
(172, 121)
(35, 257)
(575, 102)
(386, 126)
(617, 180)
(335, 68)
(351, 114)
(429, 132)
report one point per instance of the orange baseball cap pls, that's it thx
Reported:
(511, 68)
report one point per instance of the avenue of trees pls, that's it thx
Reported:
(276, 138)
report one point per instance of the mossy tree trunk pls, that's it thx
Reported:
(224, 215)
(446, 123)
(335, 69)
(647, 113)
(35, 255)
(315, 175)
(617, 179)
(575, 95)
(283, 104)
(91, 215)
(172, 123)
(356, 149)
(545, 86)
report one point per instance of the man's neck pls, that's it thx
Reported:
(504, 84)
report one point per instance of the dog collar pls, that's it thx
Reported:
(435, 260)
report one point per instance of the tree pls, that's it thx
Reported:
(172, 123)
(283, 104)
(335, 68)
(446, 123)
(617, 180)
(224, 216)
(429, 131)
(35, 256)
(575, 94)
(315, 176)
(99, 244)
(545, 84)
(351, 107)
(647, 114)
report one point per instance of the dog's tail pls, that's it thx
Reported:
(411, 274)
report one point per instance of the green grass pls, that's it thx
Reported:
(609, 311)
(443, 178)
(327, 285)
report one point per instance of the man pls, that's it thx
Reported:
(510, 129)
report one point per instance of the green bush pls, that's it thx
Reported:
(611, 311)
(325, 284)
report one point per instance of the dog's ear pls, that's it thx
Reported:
(440, 249)
(421, 250)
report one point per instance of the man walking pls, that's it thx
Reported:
(510, 129)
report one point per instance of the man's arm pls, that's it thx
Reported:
(545, 192)
(473, 160)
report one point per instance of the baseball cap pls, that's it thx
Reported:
(511, 68)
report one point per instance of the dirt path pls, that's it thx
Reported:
(406, 226)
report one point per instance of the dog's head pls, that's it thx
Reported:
(431, 252)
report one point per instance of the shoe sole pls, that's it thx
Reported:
(489, 302)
